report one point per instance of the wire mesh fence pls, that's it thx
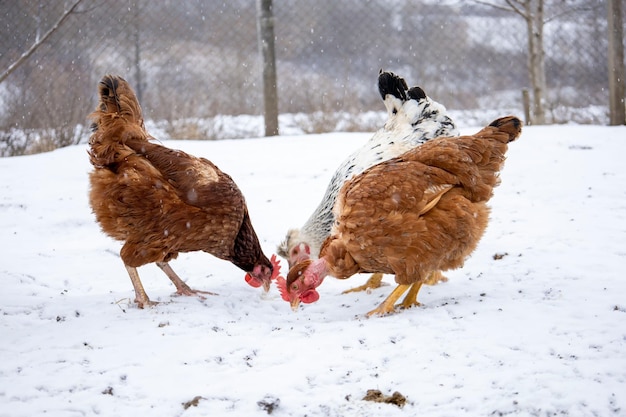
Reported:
(196, 61)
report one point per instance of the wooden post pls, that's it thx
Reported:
(265, 27)
(526, 104)
(617, 110)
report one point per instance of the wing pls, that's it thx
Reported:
(381, 214)
(396, 186)
(473, 160)
(197, 181)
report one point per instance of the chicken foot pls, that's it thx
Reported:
(410, 300)
(389, 305)
(141, 298)
(181, 287)
(375, 281)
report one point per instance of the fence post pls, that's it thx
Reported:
(526, 103)
(617, 110)
(265, 27)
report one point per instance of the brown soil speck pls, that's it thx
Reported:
(269, 404)
(376, 396)
(193, 402)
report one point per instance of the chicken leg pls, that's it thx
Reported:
(388, 306)
(141, 298)
(435, 278)
(375, 281)
(411, 297)
(181, 287)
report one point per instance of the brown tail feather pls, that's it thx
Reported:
(117, 97)
(117, 118)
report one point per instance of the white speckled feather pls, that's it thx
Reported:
(412, 120)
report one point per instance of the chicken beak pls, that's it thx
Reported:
(295, 304)
(266, 285)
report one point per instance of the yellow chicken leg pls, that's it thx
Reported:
(411, 297)
(388, 306)
(435, 278)
(375, 281)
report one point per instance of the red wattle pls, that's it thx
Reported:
(309, 296)
(256, 283)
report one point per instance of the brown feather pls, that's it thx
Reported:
(161, 201)
(422, 212)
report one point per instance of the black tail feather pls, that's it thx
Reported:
(416, 93)
(390, 83)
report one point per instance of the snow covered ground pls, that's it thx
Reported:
(534, 324)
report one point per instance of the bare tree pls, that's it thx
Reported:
(532, 11)
(39, 41)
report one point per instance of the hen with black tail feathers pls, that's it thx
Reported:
(422, 212)
(413, 119)
(160, 201)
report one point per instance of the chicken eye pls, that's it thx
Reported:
(294, 287)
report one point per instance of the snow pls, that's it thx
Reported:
(538, 332)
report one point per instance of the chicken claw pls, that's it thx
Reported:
(410, 300)
(181, 287)
(388, 306)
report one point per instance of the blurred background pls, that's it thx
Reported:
(198, 71)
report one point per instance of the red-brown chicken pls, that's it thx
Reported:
(411, 216)
(412, 119)
(160, 201)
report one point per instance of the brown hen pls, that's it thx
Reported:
(410, 216)
(160, 201)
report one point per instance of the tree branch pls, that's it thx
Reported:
(516, 8)
(38, 43)
(511, 9)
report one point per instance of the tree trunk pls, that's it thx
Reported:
(536, 59)
(266, 47)
(617, 110)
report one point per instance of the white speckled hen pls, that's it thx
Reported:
(423, 211)
(413, 119)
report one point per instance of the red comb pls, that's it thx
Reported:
(276, 265)
(281, 283)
